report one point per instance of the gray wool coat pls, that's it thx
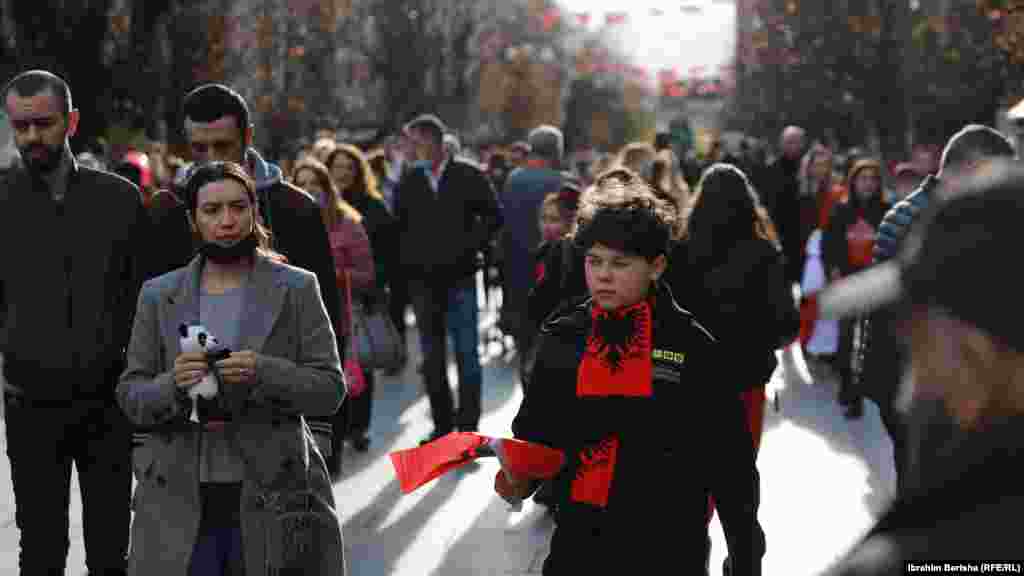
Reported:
(299, 373)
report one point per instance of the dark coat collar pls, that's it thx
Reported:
(576, 316)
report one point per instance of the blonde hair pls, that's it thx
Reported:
(808, 183)
(667, 177)
(336, 206)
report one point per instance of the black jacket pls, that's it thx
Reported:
(442, 236)
(961, 515)
(380, 227)
(834, 241)
(780, 193)
(69, 283)
(740, 301)
(687, 440)
(563, 280)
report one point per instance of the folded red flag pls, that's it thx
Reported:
(528, 459)
(418, 466)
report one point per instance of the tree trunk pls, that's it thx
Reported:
(891, 107)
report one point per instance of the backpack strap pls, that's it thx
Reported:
(568, 257)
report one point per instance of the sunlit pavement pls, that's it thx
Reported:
(823, 480)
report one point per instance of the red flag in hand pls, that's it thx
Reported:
(418, 466)
(527, 459)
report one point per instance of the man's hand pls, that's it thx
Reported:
(239, 368)
(189, 369)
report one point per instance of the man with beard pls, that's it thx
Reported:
(66, 305)
(218, 128)
(781, 192)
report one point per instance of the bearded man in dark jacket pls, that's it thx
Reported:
(66, 307)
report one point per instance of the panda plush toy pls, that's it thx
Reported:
(196, 338)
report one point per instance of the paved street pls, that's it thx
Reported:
(823, 480)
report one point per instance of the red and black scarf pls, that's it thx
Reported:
(617, 357)
(616, 362)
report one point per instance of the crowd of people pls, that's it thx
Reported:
(645, 290)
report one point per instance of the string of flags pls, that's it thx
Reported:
(550, 16)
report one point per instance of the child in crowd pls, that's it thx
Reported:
(631, 387)
(557, 213)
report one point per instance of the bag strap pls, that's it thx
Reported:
(351, 314)
(566, 265)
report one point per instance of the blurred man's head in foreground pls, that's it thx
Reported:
(973, 145)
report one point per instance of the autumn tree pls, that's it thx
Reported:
(66, 38)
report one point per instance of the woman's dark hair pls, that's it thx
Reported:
(209, 172)
(621, 211)
(726, 211)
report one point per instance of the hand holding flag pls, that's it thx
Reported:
(519, 460)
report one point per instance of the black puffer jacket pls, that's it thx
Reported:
(899, 218)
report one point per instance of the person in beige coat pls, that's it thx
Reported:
(244, 490)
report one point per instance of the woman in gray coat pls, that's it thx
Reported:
(243, 490)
